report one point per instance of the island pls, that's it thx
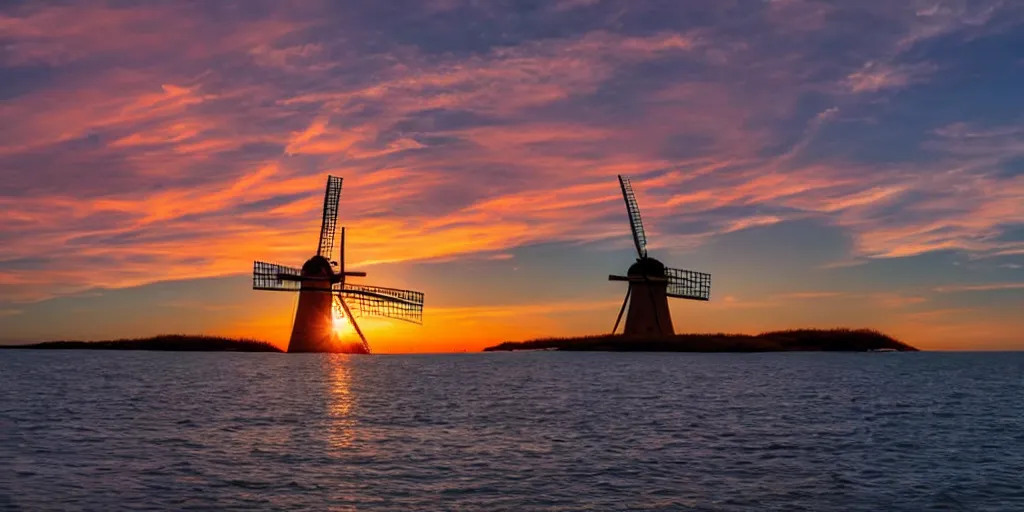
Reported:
(808, 340)
(167, 342)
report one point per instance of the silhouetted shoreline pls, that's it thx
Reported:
(806, 340)
(172, 343)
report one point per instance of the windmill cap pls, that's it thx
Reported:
(317, 265)
(647, 267)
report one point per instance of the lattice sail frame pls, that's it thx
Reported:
(379, 302)
(274, 277)
(688, 284)
(635, 221)
(329, 223)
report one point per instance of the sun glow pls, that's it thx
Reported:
(338, 320)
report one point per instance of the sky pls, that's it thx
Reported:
(832, 164)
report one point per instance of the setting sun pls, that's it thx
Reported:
(338, 320)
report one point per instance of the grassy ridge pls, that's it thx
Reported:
(818, 340)
(166, 342)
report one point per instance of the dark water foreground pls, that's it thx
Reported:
(85, 430)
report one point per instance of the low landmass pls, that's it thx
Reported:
(813, 340)
(809, 340)
(168, 342)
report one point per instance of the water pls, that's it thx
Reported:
(84, 430)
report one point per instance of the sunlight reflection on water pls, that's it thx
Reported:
(341, 427)
(528, 431)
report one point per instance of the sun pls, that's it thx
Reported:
(338, 321)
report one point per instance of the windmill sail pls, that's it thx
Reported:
(380, 302)
(635, 222)
(688, 284)
(329, 224)
(274, 277)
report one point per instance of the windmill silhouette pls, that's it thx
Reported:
(324, 291)
(651, 283)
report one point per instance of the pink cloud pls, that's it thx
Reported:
(875, 76)
(537, 164)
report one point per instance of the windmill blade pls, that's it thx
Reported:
(274, 277)
(635, 222)
(629, 289)
(639, 279)
(688, 284)
(329, 224)
(380, 302)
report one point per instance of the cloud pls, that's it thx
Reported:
(980, 287)
(808, 295)
(874, 76)
(177, 142)
(765, 220)
(886, 299)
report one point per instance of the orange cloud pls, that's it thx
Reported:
(174, 145)
(980, 287)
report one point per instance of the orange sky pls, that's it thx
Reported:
(150, 153)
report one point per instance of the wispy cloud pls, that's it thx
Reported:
(980, 287)
(873, 76)
(808, 295)
(166, 142)
(886, 299)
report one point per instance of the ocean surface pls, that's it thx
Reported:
(91, 430)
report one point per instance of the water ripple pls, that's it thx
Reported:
(526, 431)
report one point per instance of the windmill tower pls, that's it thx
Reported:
(324, 292)
(650, 283)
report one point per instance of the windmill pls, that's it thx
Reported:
(324, 292)
(651, 283)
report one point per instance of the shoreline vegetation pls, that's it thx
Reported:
(797, 340)
(166, 342)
